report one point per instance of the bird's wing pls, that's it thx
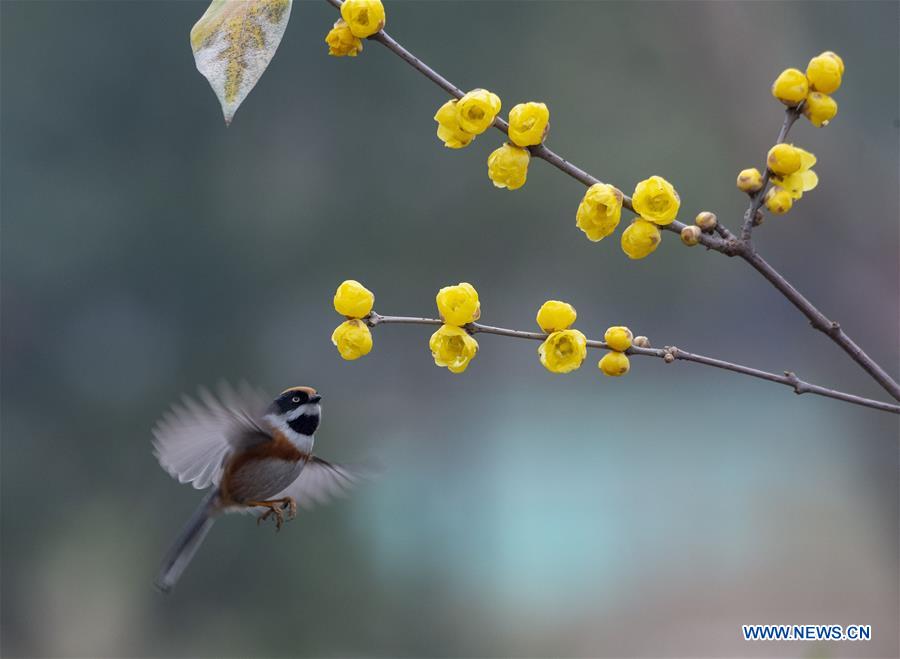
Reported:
(193, 439)
(319, 482)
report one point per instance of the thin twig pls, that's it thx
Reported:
(821, 322)
(756, 199)
(722, 241)
(669, 353)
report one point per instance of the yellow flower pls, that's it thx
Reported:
(353, 339)
(341, 41)
(528, 123)
(820, 109)
(448, 130)
(614, 364)
(790, 87)
(459, 305)
(779, 201)
(618, 338)
(563, 351)
(802, 180)
(353, 300)
(477, 110)
(453, 348)
(599, 211)
(655, 200)
(555, 315)
(750, 180)
(783, 159)
(508, 166)
(824, 72)
(365, 17)
(640, 239)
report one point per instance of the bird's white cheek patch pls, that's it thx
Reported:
(310, 409)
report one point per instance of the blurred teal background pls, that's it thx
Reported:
(147, 249)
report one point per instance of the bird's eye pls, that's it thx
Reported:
(296, 399)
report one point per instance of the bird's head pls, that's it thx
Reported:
(298, 408)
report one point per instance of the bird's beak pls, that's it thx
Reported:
(315, 398)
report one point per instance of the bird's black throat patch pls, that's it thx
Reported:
(305, 424)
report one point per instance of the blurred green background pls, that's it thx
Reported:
(147, 249)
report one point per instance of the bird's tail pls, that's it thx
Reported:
(186, 544)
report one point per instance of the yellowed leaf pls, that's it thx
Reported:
(233, 43)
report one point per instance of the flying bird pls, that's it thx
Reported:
(253, 457)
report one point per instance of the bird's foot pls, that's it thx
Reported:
(276, 509)
(272, 511)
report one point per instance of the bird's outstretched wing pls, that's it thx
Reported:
(320, 482)
(193, 439)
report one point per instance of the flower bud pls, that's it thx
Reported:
(750, 180)
(341, 40)
(353, 339)
(640, 239)
(668, 358)
(458, 305)
(706, 221)
(778, 201)
(820, 109)
(353, 300)
(641, 342)
(690, 235)
(783, 159)
(555, 315)
(528, 124)
(614, 364)
(508, 166)
(824, 73)
(790, 87)
(618, 338)
(365, 17)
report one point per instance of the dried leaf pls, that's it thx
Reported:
(233, 43)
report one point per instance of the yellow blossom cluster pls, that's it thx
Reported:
(791, 173)
(459, 121)
(359, 20)
(615, 362)
(452, 347)
(655, 201)
(352, 337)
(565, 349)
(813, 89)
(789, 167)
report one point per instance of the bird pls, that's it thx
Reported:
(252, 457)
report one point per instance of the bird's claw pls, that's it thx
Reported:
(277, 510)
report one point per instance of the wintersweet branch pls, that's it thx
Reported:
(756, 199)
(723, 240)
(668, 354)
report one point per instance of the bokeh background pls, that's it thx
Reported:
(147, 249)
